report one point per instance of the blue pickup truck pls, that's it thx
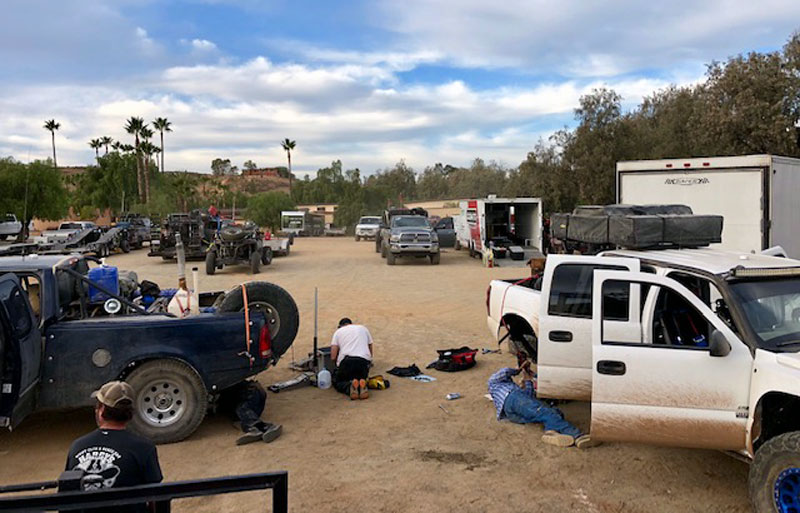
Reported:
(62, 335)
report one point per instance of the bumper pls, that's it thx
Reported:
(411, 249)
(367, 234)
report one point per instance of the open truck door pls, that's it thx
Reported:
(565, 322)
(686, 385)
(20, 353)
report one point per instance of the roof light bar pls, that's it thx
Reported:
(759, 272)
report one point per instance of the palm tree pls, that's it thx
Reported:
(95, 144)
(106, 140)
(288, 146)
(52, 125)
(162, 125)
(134, 127)
(147, 154)
(116, 146)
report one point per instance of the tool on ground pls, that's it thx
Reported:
(487, 351)
(444, 409)
(301, 380)
(453, 396)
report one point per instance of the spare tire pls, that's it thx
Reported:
(233, 233)
(275, 303)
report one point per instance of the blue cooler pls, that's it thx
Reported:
(107, 277)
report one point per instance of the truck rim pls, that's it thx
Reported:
(787, 491)
(269, 311)
(162, 402)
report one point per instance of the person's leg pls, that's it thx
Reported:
(346, 372)
(524, 409)
(361, 373)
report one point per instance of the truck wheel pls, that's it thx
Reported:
(774, 479)
(435, 259)
(457, 245)
(171, 400)
(255, 261)
(378, 245)
(384, 251)
(390, 258)
(275, 303)
(211, 263)
(358, 238)
(266, 256)
(125, 246)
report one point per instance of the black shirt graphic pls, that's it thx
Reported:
(119, 458)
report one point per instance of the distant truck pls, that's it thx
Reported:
(11, 227)
(518, 220)
(302, 223)
(368, 227)
(756, 194)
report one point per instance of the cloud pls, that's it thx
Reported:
(203, 45)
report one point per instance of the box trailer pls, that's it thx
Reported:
(755, 194)
(302, 223)
(516, 219)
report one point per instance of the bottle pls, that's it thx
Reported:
(324, 375)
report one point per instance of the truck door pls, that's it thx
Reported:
(446, 231)
(20, 353)
(686, 386)
(565, 322)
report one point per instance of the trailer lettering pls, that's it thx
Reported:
(687, 181)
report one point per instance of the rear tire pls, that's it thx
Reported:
(435, 259)
(255, 261)
(390, 258)
(171, 400)
(775, 473)
(457, 245)
(211, 263)
(358, 238)
(384, 251)
(266, 255)
(277, 304)
(125, 246)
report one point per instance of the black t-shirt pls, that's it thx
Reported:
(119, 457)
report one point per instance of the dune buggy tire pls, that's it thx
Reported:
(211, 263)
(233, 233)
(255, 261)
(378, 245)
(384, 251)
(774, 476)
(276, 304)
(266, 255)
(125, 246)
(171, 400)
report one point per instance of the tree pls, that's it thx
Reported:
(52, 125)
(220, 167)
(96, 144)
(265, 209)
(134, 127)
(112, 183)
(106, 140)
(250, 165)
(162, 125)
(34, 190)
(288, 146)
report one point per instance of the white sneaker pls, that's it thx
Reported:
(557, 439)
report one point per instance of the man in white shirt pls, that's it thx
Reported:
(351, 349)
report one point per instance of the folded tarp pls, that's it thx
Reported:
(592, 229)
(692, 230)
(636, 231)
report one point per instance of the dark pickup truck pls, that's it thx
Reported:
(63, 335)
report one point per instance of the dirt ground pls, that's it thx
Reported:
(399, 451)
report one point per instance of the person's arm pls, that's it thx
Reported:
(334, 353)
(369, 344)
(502, 375)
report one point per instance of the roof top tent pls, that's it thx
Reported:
(518, 219)
(756, 195)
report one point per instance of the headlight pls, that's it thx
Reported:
(394, 238)
(434, 237)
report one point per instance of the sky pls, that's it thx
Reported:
(367, 82)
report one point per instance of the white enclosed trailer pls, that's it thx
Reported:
(756, 194)
(519, 219)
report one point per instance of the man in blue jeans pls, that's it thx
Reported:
(520, 405)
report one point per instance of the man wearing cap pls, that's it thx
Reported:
(111, 456)
(351, 349)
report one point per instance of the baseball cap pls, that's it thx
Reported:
(113, 393)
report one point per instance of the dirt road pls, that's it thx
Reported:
(398, 451)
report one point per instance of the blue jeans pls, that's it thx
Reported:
(523, 409)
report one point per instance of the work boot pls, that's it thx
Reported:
(585, 442)
(272, 432)
(363, 391)
(557, 439)
(252, 435)
(354, 390)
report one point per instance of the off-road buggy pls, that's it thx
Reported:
(238, 244)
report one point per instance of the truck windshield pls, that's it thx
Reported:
(404, 222)
(772, 309)
(70, 226)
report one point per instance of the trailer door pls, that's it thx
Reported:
(565, 322)
(737, 194)
(20, 353)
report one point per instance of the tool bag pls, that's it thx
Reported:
(453, 360)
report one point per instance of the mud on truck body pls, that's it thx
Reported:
(62, 335)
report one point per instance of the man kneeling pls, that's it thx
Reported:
(351, 349)
(520, 405)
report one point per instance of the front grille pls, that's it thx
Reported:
(415, 237)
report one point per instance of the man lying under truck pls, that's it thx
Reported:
(245, 403)
(520, 405)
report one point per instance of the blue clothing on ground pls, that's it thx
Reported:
(523, 409)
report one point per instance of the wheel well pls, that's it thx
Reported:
(520, 335)
(132, 366)
(776, 413)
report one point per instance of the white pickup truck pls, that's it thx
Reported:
(10, 227)
(690, 348)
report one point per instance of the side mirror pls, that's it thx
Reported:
(719, 344)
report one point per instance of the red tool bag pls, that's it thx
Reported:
(453, 360)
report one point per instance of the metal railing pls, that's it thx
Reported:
(161, 492)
